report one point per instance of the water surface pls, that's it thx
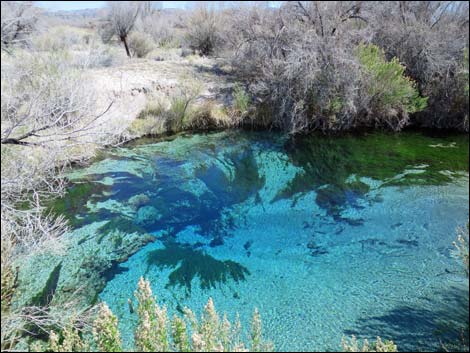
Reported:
(326, 236)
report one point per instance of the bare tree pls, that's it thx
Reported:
(18, 21)
(43, 100)
(47, 110)
(121, 20)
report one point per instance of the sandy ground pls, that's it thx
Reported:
(132, 84)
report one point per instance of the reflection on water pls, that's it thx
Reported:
(325, 235)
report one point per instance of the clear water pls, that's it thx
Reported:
(325, 236)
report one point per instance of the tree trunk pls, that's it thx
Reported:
(124, 40)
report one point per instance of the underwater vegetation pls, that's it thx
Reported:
(189, 263)
(73, 204)
(333, 165)
(160, 188)
(265, 215)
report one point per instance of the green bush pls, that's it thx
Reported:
(241, 99)
(387, 85)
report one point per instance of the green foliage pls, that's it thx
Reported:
(388, 85)
(179, 333)
(336, 104)
(60, 38)
(241, 99)
(69, 340)
(208, 334)
(353, 345)
(151, 334)
(7, 285)
(178, 113)
(105, 331)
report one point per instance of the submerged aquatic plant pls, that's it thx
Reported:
(190, 263)
(328, 164)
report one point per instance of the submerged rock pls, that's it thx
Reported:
(80, 270)
(147, 215)
(138, 200)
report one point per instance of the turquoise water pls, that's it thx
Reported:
(325, 236)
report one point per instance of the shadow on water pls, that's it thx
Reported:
(188, 263)
(442, 324)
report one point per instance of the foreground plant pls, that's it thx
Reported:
(105, 331)
(156, 333)
(353, 345)
(210, 333)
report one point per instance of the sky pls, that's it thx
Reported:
(80, 5)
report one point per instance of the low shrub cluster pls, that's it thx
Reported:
(156, 332)
(345, 65)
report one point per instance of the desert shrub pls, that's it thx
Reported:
(48, 89)
(163, 28)
(7, 277)
(203, 31)
(140, 44)
(84, 50)
(105, 331)
(44, 105)
(353, 345)
(155, 332)
(59, 38)
(68, 341)
(18, 22)
(391, 93)
(301, 66)
(465, 73)
(210, 333)
(293, 71)
(241, 100)
(428, 37)
(202, 117)
(98, 55)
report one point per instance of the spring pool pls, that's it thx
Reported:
(326, 236)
